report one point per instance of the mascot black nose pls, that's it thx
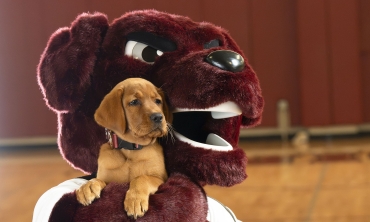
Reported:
(226, 60)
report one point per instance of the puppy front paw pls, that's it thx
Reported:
(90, 191)
(136, 203)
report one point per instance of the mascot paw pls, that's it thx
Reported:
(90, 191)
(136, 203)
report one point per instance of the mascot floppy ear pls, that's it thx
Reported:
(68, 61)
(110, 114)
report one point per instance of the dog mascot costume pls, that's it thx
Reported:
(208, 84)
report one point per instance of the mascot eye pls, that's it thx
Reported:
(212, 44)
(141, 51)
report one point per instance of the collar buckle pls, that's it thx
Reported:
(118, 143)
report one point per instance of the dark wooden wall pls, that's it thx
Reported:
(313, 53)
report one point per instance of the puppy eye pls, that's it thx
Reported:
(141, 51)
(134, 102)
(158, 101)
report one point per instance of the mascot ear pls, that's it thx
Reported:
(67, 63)
(110, 114)
(166, 110)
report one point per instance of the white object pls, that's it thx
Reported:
(217, 212)
(213, 142)
(222, 111)
(46, 202)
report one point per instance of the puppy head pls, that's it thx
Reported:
(135, 110)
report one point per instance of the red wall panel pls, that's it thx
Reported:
(22, 110)
(365, 56)
(344, 55)
(329, 46)
(275, 55)
(365, 71)
(314, 68)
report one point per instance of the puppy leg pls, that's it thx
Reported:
(90, 191)
(137, 197)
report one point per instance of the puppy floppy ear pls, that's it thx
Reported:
(110, 114)
(166, 110)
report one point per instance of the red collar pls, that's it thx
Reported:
(119, 143)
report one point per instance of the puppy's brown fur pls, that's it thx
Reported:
(127, 111)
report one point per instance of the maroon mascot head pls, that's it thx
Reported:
(208, 83)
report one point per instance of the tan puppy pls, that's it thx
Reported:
(134, 114)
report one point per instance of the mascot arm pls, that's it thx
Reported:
(50, 198)
(179, 199)
(68, 61)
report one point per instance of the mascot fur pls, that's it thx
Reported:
(207, 81)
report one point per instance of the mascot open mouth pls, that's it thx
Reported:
(192, 126)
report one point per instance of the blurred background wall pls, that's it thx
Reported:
(315, 54)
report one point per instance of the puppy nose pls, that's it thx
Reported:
(156, 117)
(226, 60)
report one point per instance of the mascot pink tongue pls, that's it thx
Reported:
(208, 83)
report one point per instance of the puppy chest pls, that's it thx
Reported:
(129, 170)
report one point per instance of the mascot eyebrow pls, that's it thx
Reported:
(152, 40)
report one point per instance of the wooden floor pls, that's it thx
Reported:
(313, 189)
